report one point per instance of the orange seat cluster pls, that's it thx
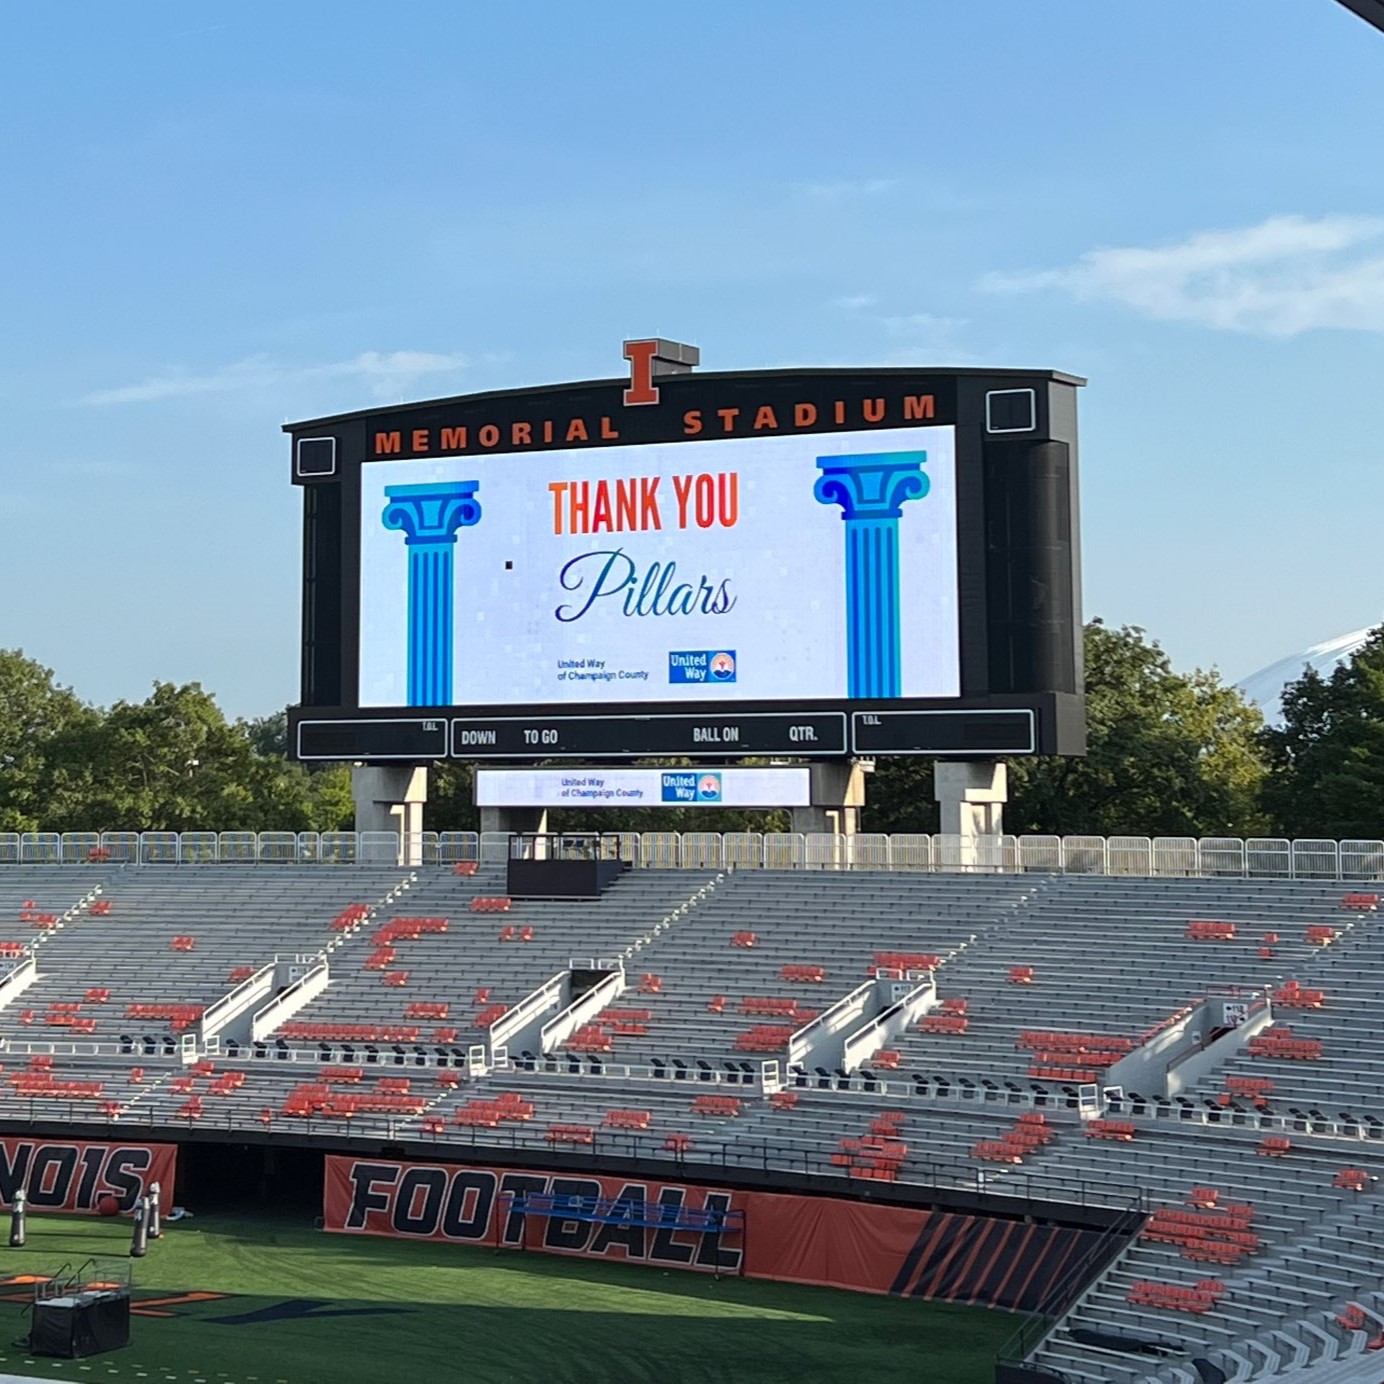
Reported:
(1360, 903)
(1020, 975)
(887, 1058)
(1293, 996)
(677, 1143)
(903, 961)
(101, 908)
(1275, 1146)
(1351, 1180)
(1174, 1297)
(745, 941)
(396, 980)
(1209, 930)
(311, 1099)
(650, 984)
(764, 1038)
(628, 1119)
(783, 1100)
(490, 905)
(722, 1106)
(349, 917)
(1279, 1042)
(570, 1134)
(768, 1005)
(12, 950)
(183, 944)
(465, 867)
(491, 1111)
(98, 994)
(1321, 935)
(490, 1014)
(795, 970)
(342, 1075)
(68, 1015)
(1072, 1057)
(178, 1016)
(1216, 1233)
(425, 1009)
(1122, 1131)
(1027, 1135)
(880, 1156)
(511, 933)
(871, 1159)
(944, 1023)
(591, 1038)
(407, 930)
(40, 1082)
(238, 973)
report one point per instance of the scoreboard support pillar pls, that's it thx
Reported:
(837, 794)
(971, 794)
(523, 821)
(390, 797)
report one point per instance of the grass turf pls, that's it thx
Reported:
(374, 1311)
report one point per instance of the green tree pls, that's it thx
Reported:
(1168, 754)
(34, 713)
(1326, 762)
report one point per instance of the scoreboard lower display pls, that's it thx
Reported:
(807, 563)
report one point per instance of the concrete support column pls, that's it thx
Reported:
(390, 797)
(838, 795)
(971, 794)
(514, 819)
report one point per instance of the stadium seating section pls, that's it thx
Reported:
(1257, 1166)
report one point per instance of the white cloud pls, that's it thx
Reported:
(387, 372)
(1287, 275)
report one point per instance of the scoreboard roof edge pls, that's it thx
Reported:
(702, 377)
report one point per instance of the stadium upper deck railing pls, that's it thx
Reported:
(1166, 857)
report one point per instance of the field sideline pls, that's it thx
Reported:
(302, 1307)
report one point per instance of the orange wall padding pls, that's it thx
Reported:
(827, 1241)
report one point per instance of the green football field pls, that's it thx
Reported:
(301, 1307)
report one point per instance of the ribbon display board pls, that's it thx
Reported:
(73, 1174)
(824, 1241)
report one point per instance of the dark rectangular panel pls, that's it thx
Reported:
(714, 735)
(944, 732)
(402, 739)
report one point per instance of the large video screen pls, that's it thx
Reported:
(787, 568)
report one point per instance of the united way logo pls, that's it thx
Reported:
(709, 788)
(702, 665)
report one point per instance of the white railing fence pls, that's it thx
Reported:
(1168, 857)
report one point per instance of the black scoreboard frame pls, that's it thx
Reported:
(1018, 557)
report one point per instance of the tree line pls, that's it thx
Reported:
(1169, 754)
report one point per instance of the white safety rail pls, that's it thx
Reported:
(1169, 857)
(1166, 857)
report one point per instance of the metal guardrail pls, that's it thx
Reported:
(1133, 857)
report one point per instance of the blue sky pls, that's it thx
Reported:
(218, 216)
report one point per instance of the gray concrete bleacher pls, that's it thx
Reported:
(454, 967)
(835, 921)
(1109, 956)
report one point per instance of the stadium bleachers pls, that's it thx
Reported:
(1259, 1176)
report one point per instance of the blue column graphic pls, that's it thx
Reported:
(429, 516)
(871, 489)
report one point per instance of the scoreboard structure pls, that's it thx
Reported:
(808, 563)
